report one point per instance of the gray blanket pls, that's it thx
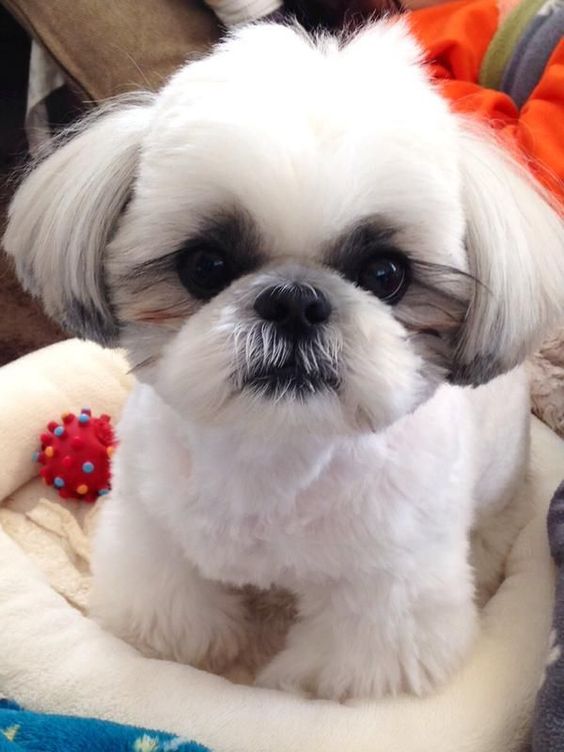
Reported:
(548, 727)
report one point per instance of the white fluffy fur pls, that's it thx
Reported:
(363, 502)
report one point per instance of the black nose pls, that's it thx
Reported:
(293, 307)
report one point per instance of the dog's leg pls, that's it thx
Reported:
(491, 540)
(145, 591)
(501, 450)
(388, 636)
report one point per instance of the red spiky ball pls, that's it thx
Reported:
(75, 455)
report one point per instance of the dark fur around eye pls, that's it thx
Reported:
(223, 249)
(431, 300)
(437, 295)
(368, 258)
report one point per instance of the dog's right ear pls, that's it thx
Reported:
(65, 212)
(515, 246)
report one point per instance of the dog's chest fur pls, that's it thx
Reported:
(310, 508)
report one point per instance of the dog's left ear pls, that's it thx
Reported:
(65, 212)
(515, 246)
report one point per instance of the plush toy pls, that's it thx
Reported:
(75, 455)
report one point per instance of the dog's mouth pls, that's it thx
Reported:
(293, 379)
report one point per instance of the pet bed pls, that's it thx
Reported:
(55, 660)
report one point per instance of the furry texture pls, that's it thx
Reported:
(359, 481)
(546, 369)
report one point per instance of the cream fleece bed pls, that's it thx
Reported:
(54, 659)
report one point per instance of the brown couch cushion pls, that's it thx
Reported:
(107, 47)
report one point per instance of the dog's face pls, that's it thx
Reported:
(292, 251)
(293, 234)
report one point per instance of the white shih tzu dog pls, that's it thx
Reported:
(312, 263)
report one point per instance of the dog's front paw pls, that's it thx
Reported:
(192, 621)
(322, 662)
(344, 674)
(371, 660)
(222, 636)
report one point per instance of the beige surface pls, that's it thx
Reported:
(108, 48)
(52, 658)
(546, 370)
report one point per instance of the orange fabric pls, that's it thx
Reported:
(455, 37)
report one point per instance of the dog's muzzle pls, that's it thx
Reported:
(296, 315)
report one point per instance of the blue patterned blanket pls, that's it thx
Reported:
(24, 731)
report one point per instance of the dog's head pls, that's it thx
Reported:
(294, 231)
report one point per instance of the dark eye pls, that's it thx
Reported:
(204, 272)
(385, 275)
